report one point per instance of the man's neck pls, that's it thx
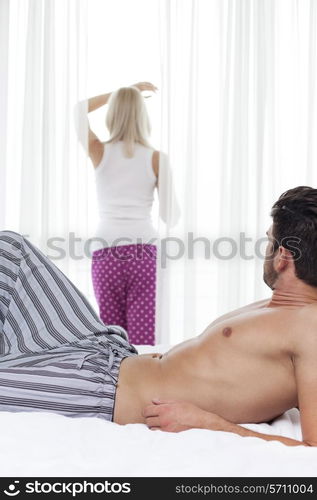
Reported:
(294, 295)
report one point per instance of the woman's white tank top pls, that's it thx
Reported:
(125, 193)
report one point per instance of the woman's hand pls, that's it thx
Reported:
(176, 416)
(145, 86)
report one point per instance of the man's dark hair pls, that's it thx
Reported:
(295, 228)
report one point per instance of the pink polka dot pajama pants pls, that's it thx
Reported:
(124, 281)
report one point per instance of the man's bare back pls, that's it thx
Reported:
(241, 367)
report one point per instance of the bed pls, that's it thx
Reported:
(43, 444)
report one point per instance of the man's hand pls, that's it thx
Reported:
(177, 416)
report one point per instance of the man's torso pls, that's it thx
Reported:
(241, 368)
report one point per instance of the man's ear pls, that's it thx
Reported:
(284, 259)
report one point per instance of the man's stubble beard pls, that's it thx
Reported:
(269, 274)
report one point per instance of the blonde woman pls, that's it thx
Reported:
(126, 170)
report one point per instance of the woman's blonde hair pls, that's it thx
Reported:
(127, 119)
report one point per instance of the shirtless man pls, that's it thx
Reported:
(248, 366)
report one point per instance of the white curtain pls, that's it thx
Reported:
(4, 38)
(44, 181)
(239, 122)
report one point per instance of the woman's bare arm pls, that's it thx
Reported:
(98, 101)
(94, 146)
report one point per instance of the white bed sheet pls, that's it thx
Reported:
(43, 444)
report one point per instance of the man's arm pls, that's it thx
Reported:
(177, 416)
(207, 423)
(305, 363)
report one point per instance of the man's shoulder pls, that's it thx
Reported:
(308, 313)
(305, 324)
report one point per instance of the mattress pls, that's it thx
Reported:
(43, 444)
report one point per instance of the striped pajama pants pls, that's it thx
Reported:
(56, 355)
